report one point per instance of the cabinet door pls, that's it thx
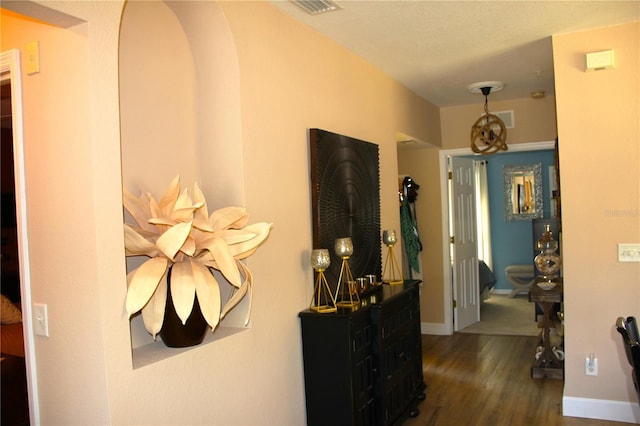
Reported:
(398, 350)
(338, 368)
(362, 370)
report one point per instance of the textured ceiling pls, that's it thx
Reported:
(438, 48)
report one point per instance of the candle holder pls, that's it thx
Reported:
(322, 301)
(391, 272)
(346, 291)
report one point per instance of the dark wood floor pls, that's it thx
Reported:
(480, 380)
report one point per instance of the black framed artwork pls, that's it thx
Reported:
(345, 192)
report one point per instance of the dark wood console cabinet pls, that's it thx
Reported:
(365, 367)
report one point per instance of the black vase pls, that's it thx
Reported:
(174, 334)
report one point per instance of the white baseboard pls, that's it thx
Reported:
(602, 409)
(437, 329)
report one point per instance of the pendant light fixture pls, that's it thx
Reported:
(488, 133)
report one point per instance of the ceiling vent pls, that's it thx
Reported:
(507, 118)
(315, 7)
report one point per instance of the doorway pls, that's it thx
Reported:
(448, 274)
(14, 193)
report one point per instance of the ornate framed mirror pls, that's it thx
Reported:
(522, 192)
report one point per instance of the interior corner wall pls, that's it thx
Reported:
(429, 220)
(599, 134)
(69, 168)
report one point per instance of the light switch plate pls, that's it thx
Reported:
(40, 320)
(629, 252)
(32, 53)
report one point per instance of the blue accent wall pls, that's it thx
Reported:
(512, 242)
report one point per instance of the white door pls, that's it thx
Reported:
(464, 250)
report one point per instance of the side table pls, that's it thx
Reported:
(547, 365)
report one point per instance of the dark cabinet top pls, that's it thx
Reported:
(370, 298)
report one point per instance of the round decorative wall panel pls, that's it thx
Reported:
(345, 182)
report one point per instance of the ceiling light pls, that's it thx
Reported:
(315, 7)
(488, 133)
(494, 86)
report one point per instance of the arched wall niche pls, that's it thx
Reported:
(180, 99)
(180, 108)
(217, 79)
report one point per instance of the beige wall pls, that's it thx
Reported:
(535, 120)
(64, 162)
(74, 172)
(422, 165)
(599, 133)
(291, 79)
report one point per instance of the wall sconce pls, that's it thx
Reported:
(488, 133)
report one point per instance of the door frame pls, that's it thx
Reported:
(10, 70)
(444, 204)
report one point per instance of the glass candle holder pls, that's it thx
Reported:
(389, 237)
(344, 247)
(346, 295)
(320, 259)
(323, 301)
(391, 272)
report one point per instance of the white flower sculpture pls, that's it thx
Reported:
(178, 232)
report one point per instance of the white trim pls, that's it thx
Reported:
(446, 255)
(444, 203)
(617, 411)
(10, 70)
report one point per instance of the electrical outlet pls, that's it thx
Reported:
(591, 365)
